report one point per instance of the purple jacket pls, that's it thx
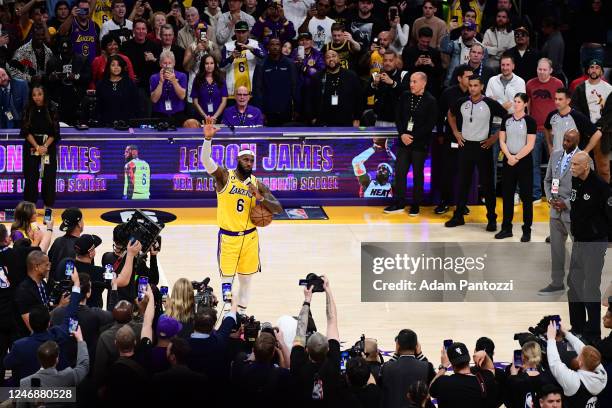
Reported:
(251, 117)
(264, 29)
(312, 64)
(175, 103)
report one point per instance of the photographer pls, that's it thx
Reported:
(209, 347)
(85, 251)
(63, 247)
(396, 376)
(22, 358)
(472, 390)
(588, 381)
(168, 90)
(131, 371)
(525, 381)
(91, 321)
(387, 87)
(260, 380)
(106, 351)
(48, 357)
(125, 265)
(315, 364)
(181, 306)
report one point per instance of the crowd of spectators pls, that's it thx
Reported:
(67, 323)
(307, 62)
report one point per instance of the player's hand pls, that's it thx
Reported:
(209, 128)
(407, 139)
(255, 191)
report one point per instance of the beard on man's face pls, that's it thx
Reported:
(244, 171)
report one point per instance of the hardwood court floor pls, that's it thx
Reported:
(292, 249)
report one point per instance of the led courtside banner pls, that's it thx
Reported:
(167, 166)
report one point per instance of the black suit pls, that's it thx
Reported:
(396, 376)
(179, 383)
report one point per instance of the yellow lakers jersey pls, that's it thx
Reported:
(234, 204)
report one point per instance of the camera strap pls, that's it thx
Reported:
(483, 387)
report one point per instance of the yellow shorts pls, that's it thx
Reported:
(238, 252)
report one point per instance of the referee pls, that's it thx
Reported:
(470, 120)
(516, 139)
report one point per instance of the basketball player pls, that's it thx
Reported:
(137, 176)
(380, 187)
(238, 191)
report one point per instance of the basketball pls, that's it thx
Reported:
(261, 216)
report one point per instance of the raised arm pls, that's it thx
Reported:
(147, 324)
(331, 312)
(302, 324)
(219, 173)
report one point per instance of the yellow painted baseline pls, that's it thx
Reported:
(337, 215)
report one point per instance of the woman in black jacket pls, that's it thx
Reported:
(40, 129)
(524, 382)
(116, 93)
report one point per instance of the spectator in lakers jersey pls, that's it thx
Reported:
(342, 42)
(239, 58)
(137, 176)
(83, 32)
(273, 24)
(237, 192)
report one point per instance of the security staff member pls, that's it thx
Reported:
(416, 117)
(516, 139)
(591, 226)
(470, 119)
(448, 152)
(558, 187)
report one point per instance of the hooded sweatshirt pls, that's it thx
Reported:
(570, 380)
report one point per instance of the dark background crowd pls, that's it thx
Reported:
(66, 322)
(105, 61)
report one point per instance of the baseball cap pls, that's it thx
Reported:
(70, 218)
(85, 243)
(595, 62)
(168, 327)
(469, 25)
(523, 29)
(458, 354)
(307, 36)
(241, 26)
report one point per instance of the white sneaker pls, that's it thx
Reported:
(517, 200)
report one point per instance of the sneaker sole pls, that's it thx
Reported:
(413, 215)
(393, 212)
(556, 292)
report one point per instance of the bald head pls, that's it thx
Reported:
(332, 62)
(581, 165)
(125, 339)
(418, 81)
(570, 140)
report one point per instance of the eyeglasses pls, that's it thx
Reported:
(243, 94)
(520, 34)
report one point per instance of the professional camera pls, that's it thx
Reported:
(251, 327)
(358, 348)
(143, 229)
(58, 289)
(204, 296)
(313, 280)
